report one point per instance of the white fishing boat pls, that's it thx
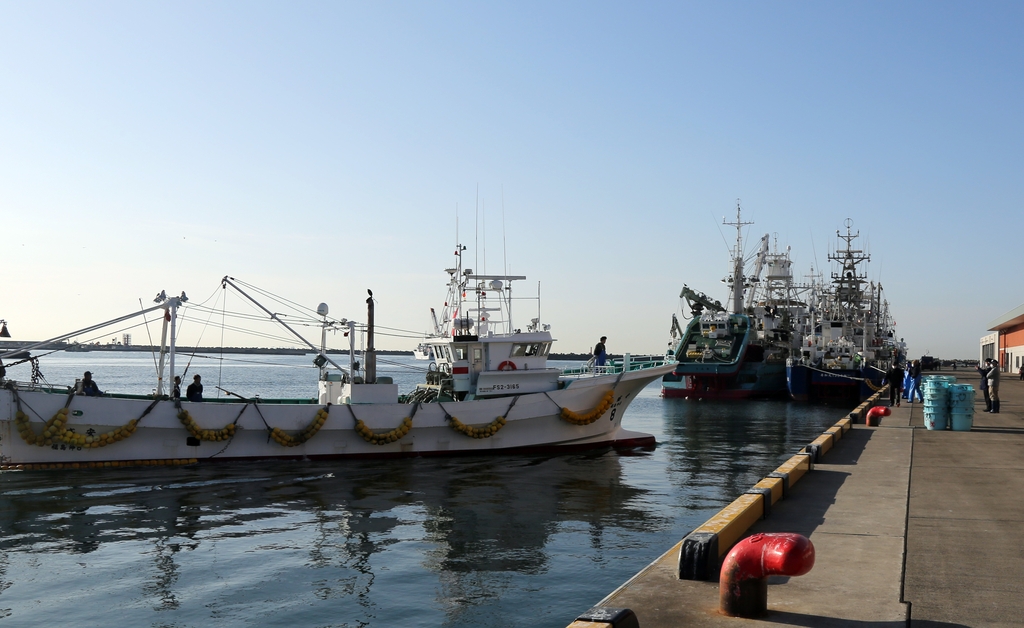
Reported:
(423, 352)
(488, 390)
(852, 339)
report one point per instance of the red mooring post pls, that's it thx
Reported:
(743, 584)
(875, 414)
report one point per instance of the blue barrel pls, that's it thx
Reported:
(961, 407)
(934, 421)
(936, 402)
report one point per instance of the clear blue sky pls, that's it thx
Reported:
(319, 149)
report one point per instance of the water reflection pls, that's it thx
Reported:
(473, 523)
(724, 448)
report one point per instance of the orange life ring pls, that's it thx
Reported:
(507, 365)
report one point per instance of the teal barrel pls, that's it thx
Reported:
(961, 407)
(933, 421)
(936, 403)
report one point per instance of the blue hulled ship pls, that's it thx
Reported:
(853, 337)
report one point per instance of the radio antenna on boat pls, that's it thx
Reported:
(504, 246)
(476, 230)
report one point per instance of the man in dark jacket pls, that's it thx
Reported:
(600, 355)
(89, 387)
(993, 384)
(194, 392)
(983, 369)
(894, 377)
(915, 382)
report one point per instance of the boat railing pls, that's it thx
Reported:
(64, 390)
(618, 365)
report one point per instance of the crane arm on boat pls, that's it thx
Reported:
(162, 306)
(228, 282)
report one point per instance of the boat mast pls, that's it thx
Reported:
(737, 262)
(163, 346)
(370, 355)
(170, 305)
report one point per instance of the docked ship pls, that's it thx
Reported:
(740, 352)
(488, 390)
(853, 335)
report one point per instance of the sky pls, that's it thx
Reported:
(320, 149)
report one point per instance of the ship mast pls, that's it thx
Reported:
(737, 262)
(849, 281)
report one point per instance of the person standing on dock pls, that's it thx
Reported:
(993, 385)
(600, 355)
(908, 378)
(894, 377)
(983, 370)
(915, 382)
(194, 392)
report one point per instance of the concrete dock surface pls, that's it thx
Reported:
(910, 527)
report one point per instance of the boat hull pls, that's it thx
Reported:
(761, 380)
(532, 423)
(806, 383)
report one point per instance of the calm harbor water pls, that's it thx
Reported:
(466, 541)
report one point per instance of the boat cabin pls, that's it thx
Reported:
(497, 365)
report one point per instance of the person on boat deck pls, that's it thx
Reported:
(894, 377)
(600, 356)
(915, 382)
(176, 389)
(89, 387)
(194, 392)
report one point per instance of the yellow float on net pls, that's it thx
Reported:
(386, 437)
(589, 417)
(193, 428)
(287, 440)
(478, 432)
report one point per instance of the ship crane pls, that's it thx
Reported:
(698, 301)
(755, 277)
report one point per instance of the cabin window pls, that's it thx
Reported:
(459, 353)
(527, 350)
(477, 354)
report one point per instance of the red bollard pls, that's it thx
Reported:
(743, 585)
(875, 414)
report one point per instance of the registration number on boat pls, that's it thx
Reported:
(505, 387)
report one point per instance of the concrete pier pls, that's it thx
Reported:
(910, 527)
